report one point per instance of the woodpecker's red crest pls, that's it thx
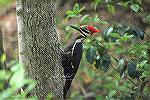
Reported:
(92, 29)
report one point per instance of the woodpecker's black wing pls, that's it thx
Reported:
(71, 67)
(77, 55)
(66, 63)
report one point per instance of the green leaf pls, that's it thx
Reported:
(111, 8)
(112, 93)
(98, 20)
(4, 75)
(68, 33)
(122, 71)
(106, 33)
(96, 2)
(49, 96)
(76, 8)
(70, 12)
(95, 6)
(3, 58)
(81, 9)
(67, 28)
(107, 98)
(4, 2)
(98, 63)
(90, 55)
(17, 80)
(85, 18)
(135, 7)
(119, 51)
(103, 22)
(30, 85)
(125, 4)
(145, 74)
(95, 18)
(139, 32)
(132, 71)
(143, 63)
(116, 35)
(106, 61)
(120, 63)
(15, 68)
(96, 44)
(7, 93)
(122, 67)
(99, 97)
(125, 38)
(110, 86)
(147, 19)
(139, 1)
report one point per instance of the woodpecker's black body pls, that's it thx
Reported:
(71, 58)
(72, 55)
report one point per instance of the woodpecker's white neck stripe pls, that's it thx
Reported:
(77, 41)
(84, 33)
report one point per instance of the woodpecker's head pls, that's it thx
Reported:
(86, 30)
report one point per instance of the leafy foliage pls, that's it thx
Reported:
(4, 2)
(135, 7)
(147, 19)
(132, 71)
(87, 19)
(75, 12)
(13, 80)
(123, 33)
(96, 2)
(111, 8)
(119, 53)
(91, 55)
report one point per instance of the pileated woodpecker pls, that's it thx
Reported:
(72, 55)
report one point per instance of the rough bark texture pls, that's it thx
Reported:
(39, 46)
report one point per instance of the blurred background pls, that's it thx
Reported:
(89, 83)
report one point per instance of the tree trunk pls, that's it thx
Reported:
(39, 46)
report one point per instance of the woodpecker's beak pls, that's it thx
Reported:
(75, 27)
(78, 29)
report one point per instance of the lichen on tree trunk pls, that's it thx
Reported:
(39, 46)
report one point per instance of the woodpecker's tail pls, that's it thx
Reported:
(66, 88)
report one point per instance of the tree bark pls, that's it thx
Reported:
(39, 46)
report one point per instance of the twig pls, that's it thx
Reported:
(83, 90)
(130, 80)
(126, 50)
